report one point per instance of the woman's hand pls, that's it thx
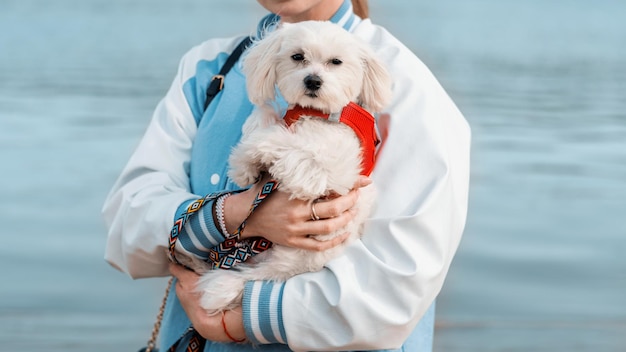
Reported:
(291, 222)
(209, 327)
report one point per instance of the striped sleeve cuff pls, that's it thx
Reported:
(200, 233)
(262, 312)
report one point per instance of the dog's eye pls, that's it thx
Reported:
(297, 57)
(336, 62)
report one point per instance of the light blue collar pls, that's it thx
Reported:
(344, 16)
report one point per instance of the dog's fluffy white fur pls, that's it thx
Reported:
(313, 157)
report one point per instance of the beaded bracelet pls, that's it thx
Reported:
(219, 212)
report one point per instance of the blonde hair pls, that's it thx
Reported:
(361, 8)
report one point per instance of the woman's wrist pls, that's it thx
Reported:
(218, 215)
(236, 209)
(232, 324)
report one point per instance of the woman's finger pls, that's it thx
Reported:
(326, 209)
(311, 244)
(175, 270)
(328, 225)
(186, 278)
(363, 181)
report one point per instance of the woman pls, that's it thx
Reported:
(380, 294)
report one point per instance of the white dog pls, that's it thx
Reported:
(316, 65)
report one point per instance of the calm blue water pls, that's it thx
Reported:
(542, 82)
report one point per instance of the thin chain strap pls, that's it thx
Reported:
(157, 324)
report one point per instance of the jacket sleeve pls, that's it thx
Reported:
(373, 296)
(153, 190)
(154, 185)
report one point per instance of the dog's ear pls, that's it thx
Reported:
(259, 67)
(376, 92)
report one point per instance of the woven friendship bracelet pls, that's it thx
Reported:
(234, 250)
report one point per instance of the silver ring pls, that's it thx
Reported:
(313, 213)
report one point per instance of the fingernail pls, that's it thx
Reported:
(365, 181)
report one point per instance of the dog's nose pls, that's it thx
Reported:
(313, 82)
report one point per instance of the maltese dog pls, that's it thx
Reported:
(319, 69)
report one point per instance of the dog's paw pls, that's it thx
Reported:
(220, 290)
(244, 169)
(302, 178)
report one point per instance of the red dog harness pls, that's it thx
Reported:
(355, 117)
